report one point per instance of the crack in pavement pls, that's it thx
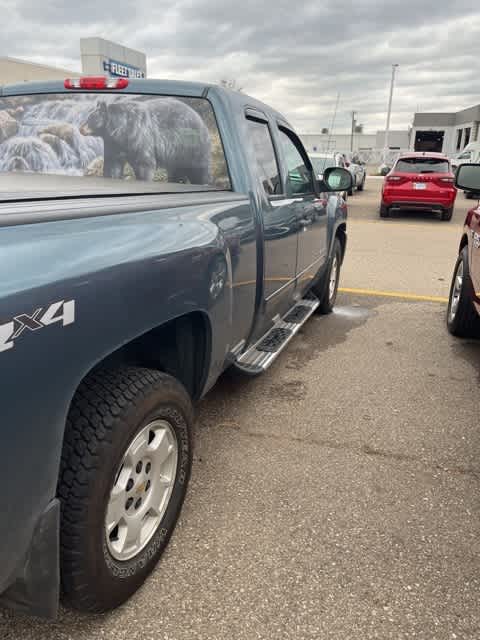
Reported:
(365, 449)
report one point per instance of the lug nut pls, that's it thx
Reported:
(138, 504)
(129, 503)
(139, 467)
(129, 484)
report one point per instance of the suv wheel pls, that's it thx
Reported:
(125, 467)
(384, 212)
(447, 214)
(462, 317)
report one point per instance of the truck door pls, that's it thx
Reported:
(280, 223)
(310, 211)
(475, 255)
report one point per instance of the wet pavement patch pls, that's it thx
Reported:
(325, 332)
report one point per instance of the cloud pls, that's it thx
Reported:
(294, 56)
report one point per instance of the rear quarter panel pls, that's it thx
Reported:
(127, 273)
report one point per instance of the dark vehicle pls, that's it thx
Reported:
(463, 315)
(420, 181)
(152, 234)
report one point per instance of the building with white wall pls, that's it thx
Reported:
(369, 146)
(13, 70)
(98, 57)
(102, 57)
(321, 142)
(447, 133)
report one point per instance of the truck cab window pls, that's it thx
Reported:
(299, 179)
(267, 166)
(106, 143)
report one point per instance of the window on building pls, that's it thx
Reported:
(459, 139)
(429, 141)
(468, 132)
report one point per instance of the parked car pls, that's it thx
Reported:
(463, 314)
(357, 169)
(152, 234)
(323, 161)
(470, 155)
(419, 180)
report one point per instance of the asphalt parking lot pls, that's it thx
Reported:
(337, 496)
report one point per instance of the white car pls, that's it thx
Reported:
(322, 161)
(357, 169)
(471, 154)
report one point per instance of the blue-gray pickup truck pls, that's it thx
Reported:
(152, 235)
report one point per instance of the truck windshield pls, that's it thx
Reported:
(90, 143)
(422, 165)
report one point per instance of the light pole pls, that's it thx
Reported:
(353, 130)
(389, 112)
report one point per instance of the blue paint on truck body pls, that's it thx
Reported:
(130, 264)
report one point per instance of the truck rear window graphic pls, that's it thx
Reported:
(131, 138)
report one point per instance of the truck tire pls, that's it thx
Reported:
(326, 290)
(462, 317)
(447, 214)
(124, 473)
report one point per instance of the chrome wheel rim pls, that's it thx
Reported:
(142, 490)
(332, 285)
(456, 291)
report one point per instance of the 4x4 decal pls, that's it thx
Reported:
(63, 311)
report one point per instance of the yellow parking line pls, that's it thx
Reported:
(393, 294)
(405, 225)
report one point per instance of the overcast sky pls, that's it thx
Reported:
(295, 56)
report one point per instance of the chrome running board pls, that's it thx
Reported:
(260, 356)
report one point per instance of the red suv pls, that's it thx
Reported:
(422, 181)
(463, 315)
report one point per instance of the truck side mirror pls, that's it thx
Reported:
(467, 177)
(338, 179)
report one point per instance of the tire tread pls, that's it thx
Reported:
(467, 322)
(100, 399)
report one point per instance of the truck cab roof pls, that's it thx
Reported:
(151, 86)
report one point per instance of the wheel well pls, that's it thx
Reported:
(180, 348)
(341, 234)
(463, 242)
